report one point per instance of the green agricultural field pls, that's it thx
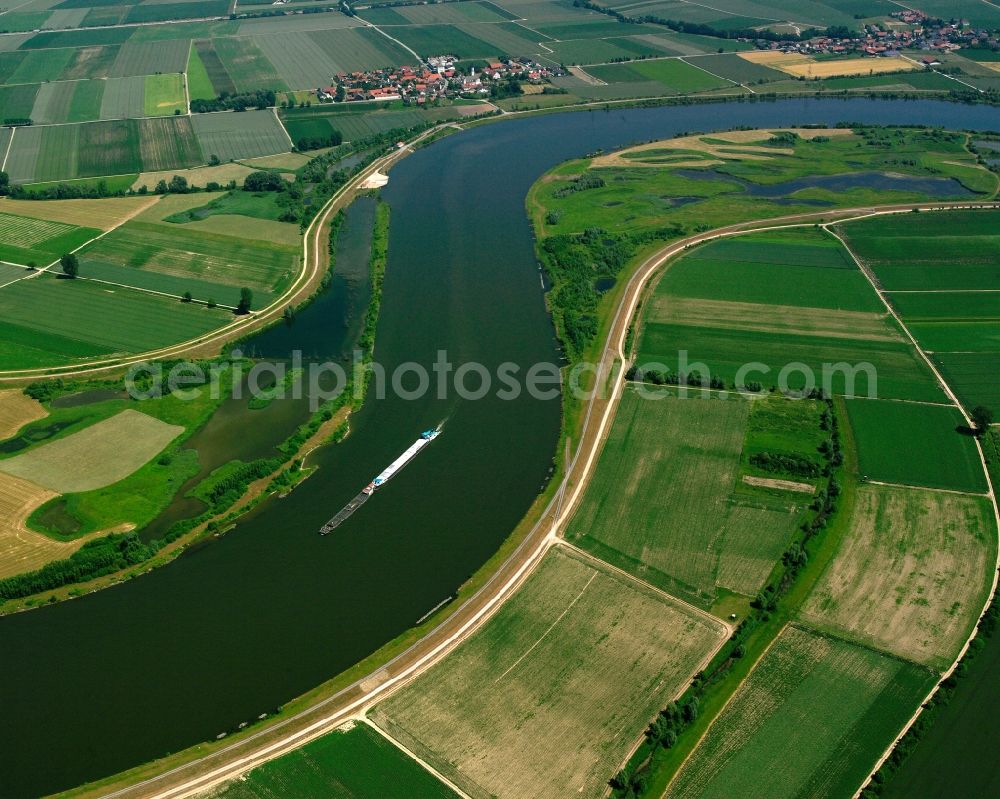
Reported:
(41, 65)
(233, 137)
(732, 67)
(840, 704)
(28, 241)
(219, 78)
(353, 762)
(95, 457)
(912, 575)
(17, 102)
(953, 250)
(920, 445)
(548, 696)
(972, 376)
(46, 321)
(199, 83)
(109, 148)
(674, 74)
(90, 63)
(780, 300)
(249, 67)
(163, 95)
(57, 102)
(428, 40)
(149, 58)
(667, 503)
(174, 259)
(300, 60)
(168, 143)
(123, 98)
(941, 277)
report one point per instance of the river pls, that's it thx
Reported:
(243, 624)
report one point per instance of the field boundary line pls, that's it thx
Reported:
(551, 627)
(991, 495)
(725, 705)
(701, 612)
(408, 49)
(904, 400)
(10, 143)
(413, 756)
(955, 491)
(149, 291)
(281, 125)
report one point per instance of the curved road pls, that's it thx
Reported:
(314, 265)
(198, 775)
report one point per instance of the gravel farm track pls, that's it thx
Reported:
(177, 778)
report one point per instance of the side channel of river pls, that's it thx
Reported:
(240, 626)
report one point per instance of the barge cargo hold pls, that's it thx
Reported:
(384, 476)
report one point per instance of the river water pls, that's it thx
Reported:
(239, 626)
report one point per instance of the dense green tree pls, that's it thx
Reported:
(982, 418)
(246, 301)
(70, 265)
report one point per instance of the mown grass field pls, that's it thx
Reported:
(45, 321)
(919, 445)
(811, 720)
(30, 241)
(547, 697)
(163, 95)
(667, 504)
(97, 456)
(913, 574)
(353, 762)
(780, 299)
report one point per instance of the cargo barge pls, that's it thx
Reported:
(383, 477)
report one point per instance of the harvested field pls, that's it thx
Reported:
(547, 697)
(834, 705)
(38, 242)
(97, 456)
(912, 575)
(801, 65)
(16, 410)
(23, 550)
(101, 214)
(198, 176)
(661, 503)
(781, 485)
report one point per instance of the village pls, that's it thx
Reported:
(436, 78)
(909, 30)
